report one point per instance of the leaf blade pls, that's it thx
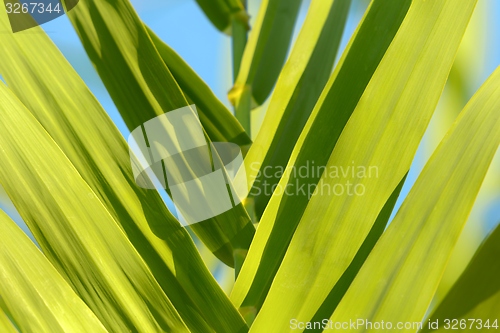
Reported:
(299, 86)
(62, 103)
(5, 323)
(34, 293)
(218, 121)
(344, 89)
(264, 56)
(74, 232)
(475, 295)
(222, 13)
(400, 85)
(143, 88)
(428, 224)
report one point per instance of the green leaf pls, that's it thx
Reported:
(5, 323)
(476, 294)
(264, 55)
(393, 112)
(341, 94)
(217, 120)
(335, 296)
(33, 292)
(239, 40)
(143, 88)
(402, 273)
(223, 12)
(62, 103)
(75, 230)
(298, 88)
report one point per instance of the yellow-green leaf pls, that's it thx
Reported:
(217, 120)
(64, 106)
(264, 55)
(143, 88)
(341, 94)
(333, 299)
(381, 137)
(223, 12)
(401, 275)
(476, 294)
(74, 229)
(5, 323)
(35, 295)
(299, 86)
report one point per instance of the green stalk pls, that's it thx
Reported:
(240, 27)
(239, 36)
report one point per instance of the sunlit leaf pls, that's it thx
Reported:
(5, 323)
(80, 127)
(298, 88)
(143, 88)
(341, 95)
(400, 277)
(75, 230)
(217, 120)
(381, 137)
(475, 297)
(223, 12)
(264, 56)
(33, 292)
(333, 299)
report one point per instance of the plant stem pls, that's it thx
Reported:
(239, 39)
